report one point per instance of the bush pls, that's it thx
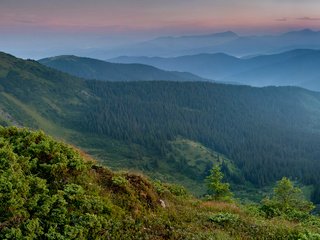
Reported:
(287, 201)
(119, 181)
(178, 190)
(224, 218)
(309, 236)
(160, 187)
(175, 189)
(45, 189)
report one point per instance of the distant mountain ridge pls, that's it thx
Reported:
(227, 34)
(89, 68)
(298, 67)
(302, 33)
(212, 66)
(227, 42)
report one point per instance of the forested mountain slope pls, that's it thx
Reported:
(265, 133)
(89, 68)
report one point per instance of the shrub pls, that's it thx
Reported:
(119, 181)
(175, 189)
(288, 201)
(160, 187)
(224, 218)
(309, 236)
(44, 189)
(178, 190)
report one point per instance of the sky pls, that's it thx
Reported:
(34, 27)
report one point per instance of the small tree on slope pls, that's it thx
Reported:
(286, 200)
(219, 190)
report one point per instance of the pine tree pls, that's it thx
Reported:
(219, 190)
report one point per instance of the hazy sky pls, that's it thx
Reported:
(59, 23)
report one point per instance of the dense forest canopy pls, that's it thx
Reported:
(268, 132)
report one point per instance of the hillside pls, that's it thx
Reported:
(212, 66)
(259, 129)
(49, 190)
(262, 134)
(292, 68)
(100, 70)
(300, 69)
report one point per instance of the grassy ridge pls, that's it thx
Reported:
(49, 190)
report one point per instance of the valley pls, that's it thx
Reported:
(262, 133)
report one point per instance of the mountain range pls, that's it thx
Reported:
(227, 42)
(292, 68)
(170, 130)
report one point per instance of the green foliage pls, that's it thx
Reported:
(220, 191)
(287, 200)
(223, 218)
(160, 187)
(120, 181)
(309, 236)
(178, 190)
(175, 189)
(43, 190)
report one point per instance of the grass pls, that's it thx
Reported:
(37, 119)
